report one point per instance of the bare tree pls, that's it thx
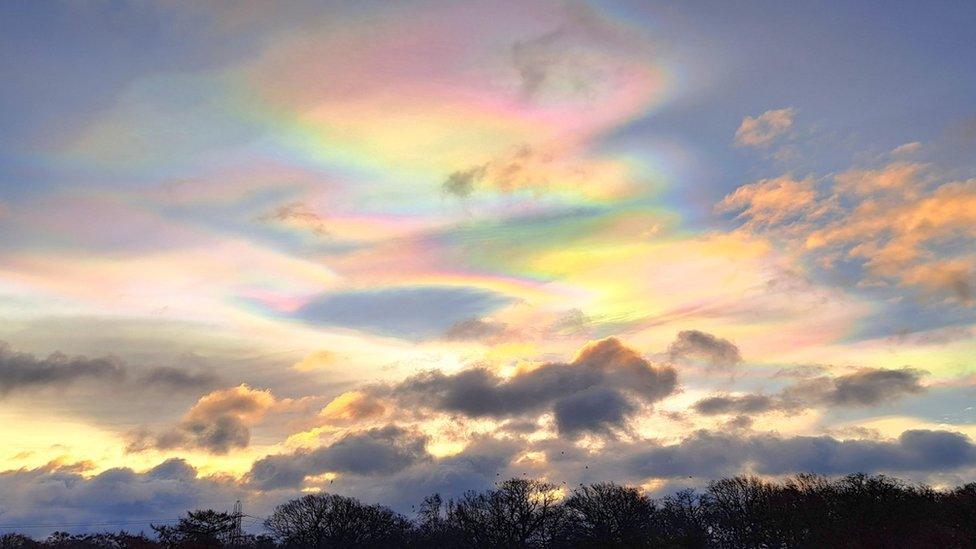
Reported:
(609, 515)
(739, 510)
(519, 513)
(684, 522)
(329, 520)
(432, 529)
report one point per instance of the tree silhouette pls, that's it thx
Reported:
(200, 529)
(958, 509)
(519, 513)
(329, 520)
(432, 528)
(683, 521)
(14, 540)
(608, 515)
(802, 511)
(742, 513)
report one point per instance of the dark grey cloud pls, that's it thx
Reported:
(173, 469)
(703, 455)
(478, 392)
(382, 451)
(22, 371)
(869, 386)
(217, 435)
(390, 466)
(473, 329)
(414, 312)
(714, 351)
(594, 409)
(739, 422)
(716, 454)
(865, 387)
(167, 377)
(482, 463)
(64, 495)
(605, 370)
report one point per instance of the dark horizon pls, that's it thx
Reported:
(803, 510)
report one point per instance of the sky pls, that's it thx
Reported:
(251, 250)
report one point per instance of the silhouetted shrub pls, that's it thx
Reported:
(200, 529)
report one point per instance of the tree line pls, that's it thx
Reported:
(856, 511)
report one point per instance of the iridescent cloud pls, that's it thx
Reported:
(521, 236)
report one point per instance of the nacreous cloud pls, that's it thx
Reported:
(413, 312)
(596, 391)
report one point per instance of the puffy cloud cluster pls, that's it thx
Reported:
(217, 423)
(595, 392)
(62, 494)
(865, 387)
(775, 201)
(389, 465)
(900, 224)
(716, 454)
(380, 451)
